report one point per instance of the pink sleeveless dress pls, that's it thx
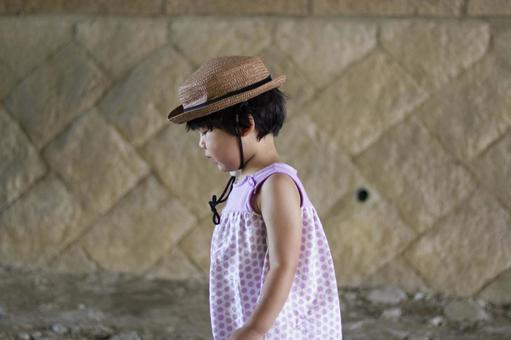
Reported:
(240, 262)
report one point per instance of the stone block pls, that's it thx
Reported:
(120, 43)
(325, 171)
(40, 36)
(324, 48)
(366, 100)
(39, 224)
(435, 52)
(473, 240)
(99, 166)
(493, 169)
(176, 266)
(502, 45)
(56, 93)
(363, 236)
(362, 7)
(127, 335)
(20, 164)
(144, 225)
(72, 260)
(392, 314)
(134, 7)
(388, 294)
(197, 244)
(466, 311)
(412, 169)
(226, 7)
(397, 272)
(499, 290)
(8, 79)
(470, 114)
(387, 7)
(298, 88)
(139, 105)
(489, 7)
(439, 7)
(198, 37)
(178, 161)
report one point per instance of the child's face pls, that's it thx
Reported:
(221, 148)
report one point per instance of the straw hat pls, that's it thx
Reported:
(222, 82)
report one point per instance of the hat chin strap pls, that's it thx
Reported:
(214, 201)
(241, 153)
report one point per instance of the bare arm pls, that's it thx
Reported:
(280, 208)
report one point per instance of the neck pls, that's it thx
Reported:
(264, 154)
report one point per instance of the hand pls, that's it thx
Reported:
(246, 333)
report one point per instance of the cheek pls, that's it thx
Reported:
(214, 148)
(207, 141)
(221, 148)
(209, 144)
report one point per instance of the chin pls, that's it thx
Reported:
(225, 168)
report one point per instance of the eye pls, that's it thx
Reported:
(203, 131)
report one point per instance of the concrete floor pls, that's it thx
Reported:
(39, 305)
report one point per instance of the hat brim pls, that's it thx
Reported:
(178, 115)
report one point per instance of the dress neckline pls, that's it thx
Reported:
(244, 179)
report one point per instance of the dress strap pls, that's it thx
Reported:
(261, 176)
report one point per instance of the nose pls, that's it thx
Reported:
(202, 145)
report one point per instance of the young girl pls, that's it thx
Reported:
(271, 271)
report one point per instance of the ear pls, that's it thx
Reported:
(248, 130)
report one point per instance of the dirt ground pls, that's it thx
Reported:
(40, 305)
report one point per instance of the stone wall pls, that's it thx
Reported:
(399, 125)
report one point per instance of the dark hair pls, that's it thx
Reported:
(268, 110)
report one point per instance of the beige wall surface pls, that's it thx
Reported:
(404, 103)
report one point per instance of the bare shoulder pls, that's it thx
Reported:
(279, 182)
(277, 190)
